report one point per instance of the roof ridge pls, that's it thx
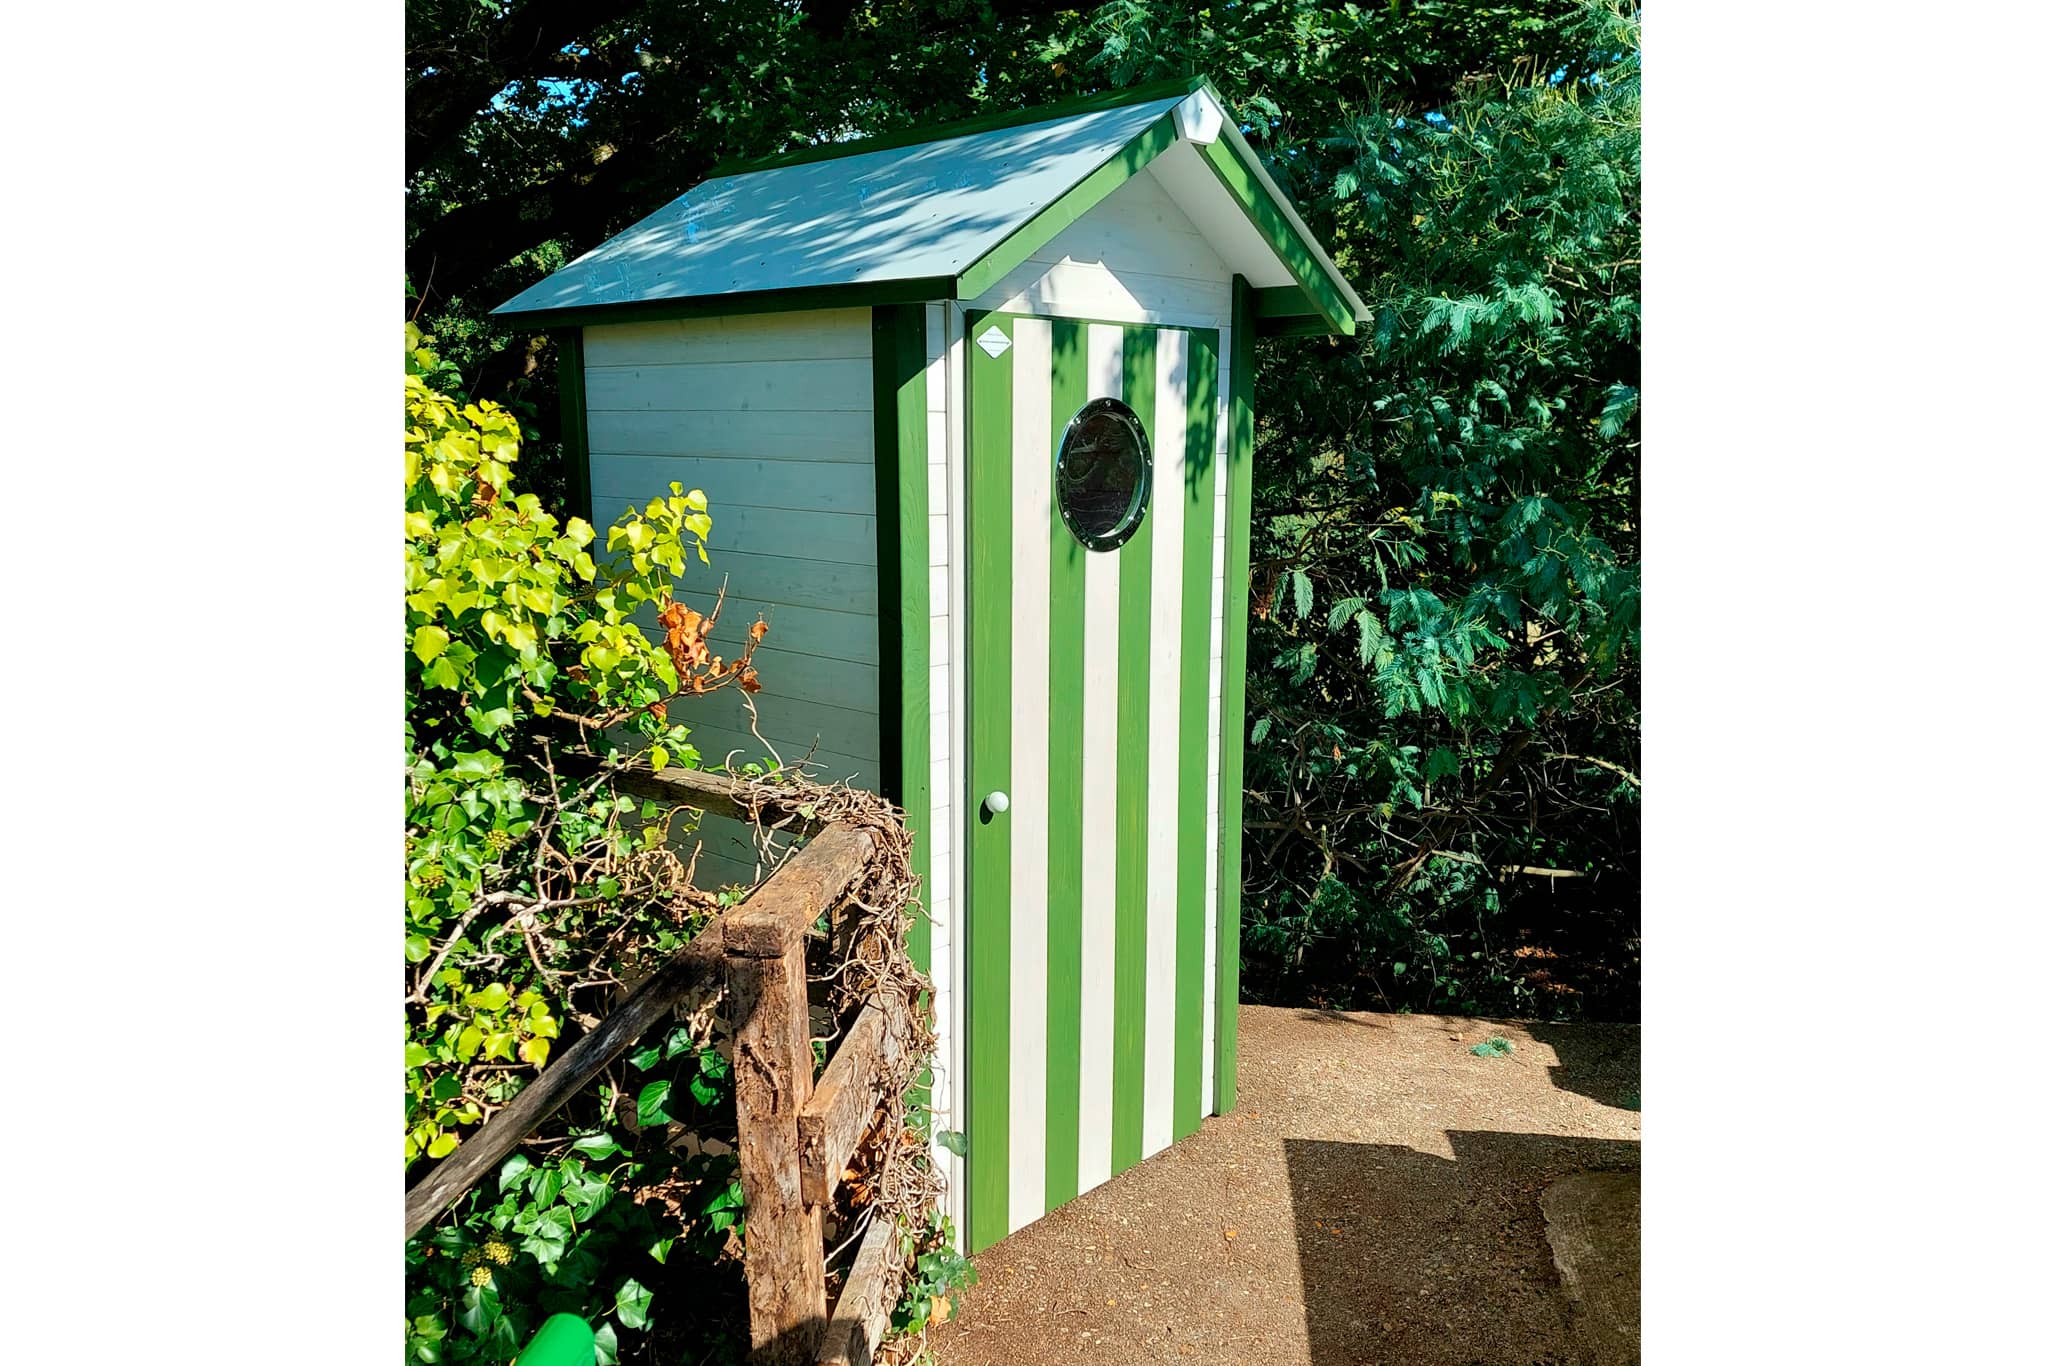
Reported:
(967, 127)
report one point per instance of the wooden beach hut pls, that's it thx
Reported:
(972, 408)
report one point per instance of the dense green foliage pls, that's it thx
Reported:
(531, 887)
(533, 890)
(1443, 672)
(1442, 697)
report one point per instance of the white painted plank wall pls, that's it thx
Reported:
(772, 416)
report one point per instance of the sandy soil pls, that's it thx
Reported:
(1373, 1199)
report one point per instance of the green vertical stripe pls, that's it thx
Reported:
(1066, 653)
(575, 418)
(988, 769)
(1133, 824)
(902, 542)
(1236, 601)
(1198, 548)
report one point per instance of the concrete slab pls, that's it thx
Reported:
(1594, 1221)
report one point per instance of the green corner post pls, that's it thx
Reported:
(575, 419)
(903, 560)
(1236, 610)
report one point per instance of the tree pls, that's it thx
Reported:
(1444, 648)
(1442, 677)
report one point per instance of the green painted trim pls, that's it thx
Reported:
(920, 289)
(1283, 301)
(1236, 614)
(575, 418)
(1055, 217)
(902, 559)
(1066, 658)
(1228, 159)
(1133, 787)
(1198, 569)
(978, 123)
(988, 769)
(1296, 327)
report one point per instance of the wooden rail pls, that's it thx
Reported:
(793, 1142)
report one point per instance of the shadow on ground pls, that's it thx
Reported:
(1338, 1017)
(1602, 1064)
(1414, 1258)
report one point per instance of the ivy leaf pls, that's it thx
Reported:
(493, 997)
(632, 1304)
(429, 643)
(597, 1145)
(953, 1141)
(653, 1102)
(478, 1308)
(703, 1087)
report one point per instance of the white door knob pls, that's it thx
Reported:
(997, 802)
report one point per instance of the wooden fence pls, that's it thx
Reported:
(794, 1140)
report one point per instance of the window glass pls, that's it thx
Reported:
(1104, 477)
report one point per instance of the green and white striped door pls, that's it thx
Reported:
(1091, 707)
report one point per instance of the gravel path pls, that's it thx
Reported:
(1374, 1198)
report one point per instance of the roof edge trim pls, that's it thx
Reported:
(1238, 168)
(924, 289)
(981, 276)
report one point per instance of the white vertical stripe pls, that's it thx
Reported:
(1169, 522)
(1098, 811)
(1030, 787)
(954, 1016)
(1105, 361)
(938, 893)
(1211, 907)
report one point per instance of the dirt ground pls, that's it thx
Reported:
(1378, 1196)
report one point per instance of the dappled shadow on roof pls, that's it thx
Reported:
(899, 213)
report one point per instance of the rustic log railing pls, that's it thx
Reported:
(794, 1141)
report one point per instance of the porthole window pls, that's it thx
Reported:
(1104, 476)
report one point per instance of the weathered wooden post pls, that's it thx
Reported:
(768, 995)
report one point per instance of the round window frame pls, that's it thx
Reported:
(1141, 500)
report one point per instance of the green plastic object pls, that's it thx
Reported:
(564, 1340)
